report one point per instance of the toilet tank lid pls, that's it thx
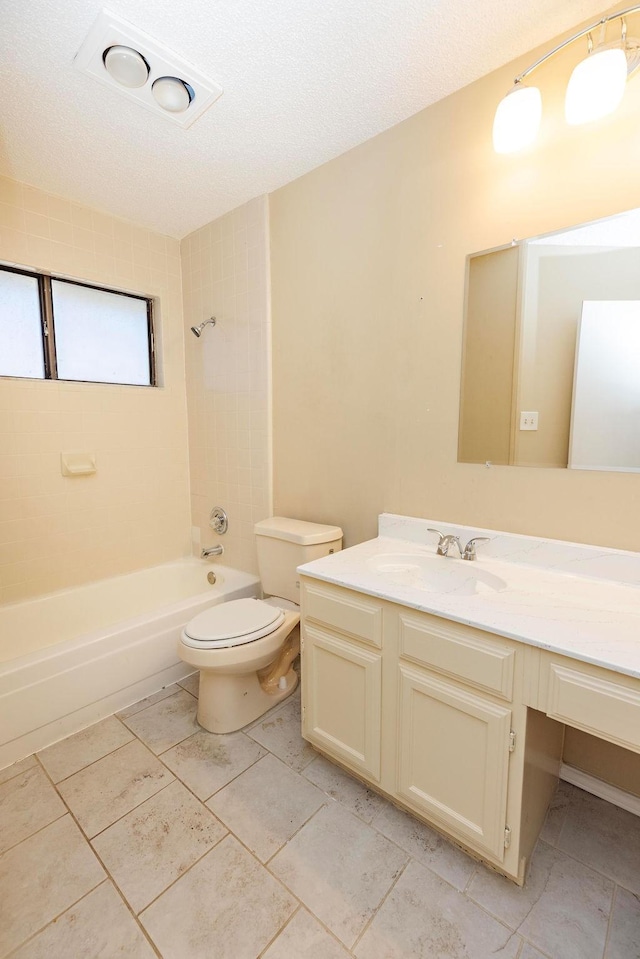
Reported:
(297, 531)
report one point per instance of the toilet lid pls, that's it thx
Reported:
(234, 623)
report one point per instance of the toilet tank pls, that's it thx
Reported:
(284, 544)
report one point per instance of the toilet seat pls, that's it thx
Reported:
(235, 623)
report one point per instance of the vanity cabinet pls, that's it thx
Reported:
(342, 643)
(343, 708)
(430, 713)
(453, 758)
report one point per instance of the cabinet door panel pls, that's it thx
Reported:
(341, 699)
(454, 758)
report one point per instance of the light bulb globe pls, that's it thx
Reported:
(596, 86)
(171, 94)
(517, 119)
(126, 66)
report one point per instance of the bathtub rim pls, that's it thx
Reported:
(45, 698)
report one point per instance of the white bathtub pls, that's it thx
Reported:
(73, 657)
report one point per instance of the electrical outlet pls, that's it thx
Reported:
(528, 420)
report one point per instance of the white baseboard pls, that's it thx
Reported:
(590, 784)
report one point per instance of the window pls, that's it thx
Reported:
(52, 328)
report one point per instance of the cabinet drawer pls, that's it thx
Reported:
(588, 699)
(459, 651)
(349, 612)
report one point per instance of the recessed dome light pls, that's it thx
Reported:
(126, 66)
(172, 94)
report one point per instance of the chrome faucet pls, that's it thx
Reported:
(470, 548)
(447, 540)
(212, 551)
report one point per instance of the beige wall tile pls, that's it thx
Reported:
(55, 531)
(221, 368)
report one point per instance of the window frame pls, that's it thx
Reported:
(48, 329)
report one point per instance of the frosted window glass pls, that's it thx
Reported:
(21, 351)
(102, 337)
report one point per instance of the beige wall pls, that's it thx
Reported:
(607, 761)
(558, 279)
(225, 274)
(488, 361)
(368, 258)
(59, 531)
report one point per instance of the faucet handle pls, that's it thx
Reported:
(437, 532)
(445, 542)
(470, 548)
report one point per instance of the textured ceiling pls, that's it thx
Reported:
(304, 81)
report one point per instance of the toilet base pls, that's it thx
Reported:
(226, 702)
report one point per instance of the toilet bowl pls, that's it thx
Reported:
(245, 648)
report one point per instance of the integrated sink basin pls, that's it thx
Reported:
(436, 574)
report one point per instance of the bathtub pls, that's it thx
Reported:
(76, 656)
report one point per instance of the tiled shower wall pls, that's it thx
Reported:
(57, 531)
(225, 274)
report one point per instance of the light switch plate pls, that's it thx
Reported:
(528, 420)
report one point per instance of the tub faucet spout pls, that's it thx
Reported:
(212, 551)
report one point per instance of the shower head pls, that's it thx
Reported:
(197, 330)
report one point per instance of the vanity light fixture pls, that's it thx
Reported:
(595, 89)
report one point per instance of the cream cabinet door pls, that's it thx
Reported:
(341, 687)
(454, 758)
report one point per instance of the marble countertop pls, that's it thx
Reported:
(576, 600)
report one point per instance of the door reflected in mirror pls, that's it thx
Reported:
(552, 327)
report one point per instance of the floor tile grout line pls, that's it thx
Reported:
(616, 881)
(375, 912)
(37, 765)
(147, 799)
(21, 772)
(108, 875)
(122, 719)
(216, 791)
(279, 932)
(35, 832)
(56, 918)
(614, 899)
(301, 773)
(88, 765)
(182, 874)
(268, 861)
(228, 834)
(71, 735)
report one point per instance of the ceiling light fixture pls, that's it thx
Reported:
(172, 94)
(595, 89)
(126, 66)
(129, 61)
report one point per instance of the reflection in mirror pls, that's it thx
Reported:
(551, 358)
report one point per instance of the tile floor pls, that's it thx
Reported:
(145, 836)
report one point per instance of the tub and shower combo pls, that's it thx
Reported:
(74, 657)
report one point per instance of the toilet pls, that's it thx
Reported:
(245, 648)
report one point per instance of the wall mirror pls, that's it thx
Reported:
(551, 350)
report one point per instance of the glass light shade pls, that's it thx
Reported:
(517, 119)
(126, 66)
(171, 94)
(596, 86)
